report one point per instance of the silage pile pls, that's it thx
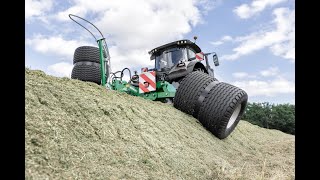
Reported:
(78, 130)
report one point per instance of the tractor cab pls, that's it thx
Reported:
(172, 57)
(170, 54)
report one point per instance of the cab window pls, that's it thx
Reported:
(191, 54)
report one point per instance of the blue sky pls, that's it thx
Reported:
(254, 39)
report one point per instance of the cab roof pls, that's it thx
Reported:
(179, 43)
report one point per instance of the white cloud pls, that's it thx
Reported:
(207, 5)
(132, 58)
(243, 75)
(240, 75)
(222, 40)
(285, 50)
(277, 83)
(226, 38)
(281, 40)
(76, 10)
(37, 7)
(216, 43)
(268, 88)
(62, 69)
(245, 11)
(64, 49)
(272, 71)
(148, 24)
(55, 45)
(131, 28)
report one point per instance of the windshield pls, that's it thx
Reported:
(170, 57)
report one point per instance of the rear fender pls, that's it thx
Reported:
(196, 65)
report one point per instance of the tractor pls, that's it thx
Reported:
(181, 76)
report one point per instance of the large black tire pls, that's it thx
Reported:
(87, 53)
(87, 71)
(221, 110)
(202, 70)
(189, 91)
(217, 105)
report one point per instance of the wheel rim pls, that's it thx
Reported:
(234, 116)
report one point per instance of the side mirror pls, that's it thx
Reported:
(215, 60)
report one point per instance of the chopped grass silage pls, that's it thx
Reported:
(79, 130)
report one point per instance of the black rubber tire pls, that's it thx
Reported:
(86, 72)
(189, 91)
(219, 105)
(201, 70)
(87, 53)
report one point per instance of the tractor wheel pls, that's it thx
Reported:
(87, 71)
(201, 70)
(189, 91)
(221, 110)
(87, 53)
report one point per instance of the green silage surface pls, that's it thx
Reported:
(79, 130)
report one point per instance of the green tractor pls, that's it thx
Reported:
(181, 76)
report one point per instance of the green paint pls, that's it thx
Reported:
(163, 90)
(102, 67)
